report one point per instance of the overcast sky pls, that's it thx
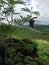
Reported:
(43, 7)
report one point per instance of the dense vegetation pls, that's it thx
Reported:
(39, 38)
(22, 45)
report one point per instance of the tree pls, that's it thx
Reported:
(31, 20)
(7, 9)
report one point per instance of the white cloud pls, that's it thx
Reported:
(43, 7)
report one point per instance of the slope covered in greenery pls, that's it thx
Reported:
(38, 34)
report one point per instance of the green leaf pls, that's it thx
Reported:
(36, 13)
(2, 18)
(0, 5)
(0, 1)
(11, 1)
(29, 47)
(16, 13)
(8, 9)
(20, 2)
(5, 12)
(26, 9)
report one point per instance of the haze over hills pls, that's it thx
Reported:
(43, 7)
(39, 22)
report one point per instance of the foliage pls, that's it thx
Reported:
(19, 52)
(29, 17)
(36, 13)
(30, 11)
(26, 9)
(26, 32)
(7, 9)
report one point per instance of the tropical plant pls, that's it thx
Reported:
(26, 9)
(29, 17)
(7, 9)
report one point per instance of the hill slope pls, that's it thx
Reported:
(36, 34)
(31, 33)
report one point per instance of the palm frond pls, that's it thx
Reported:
(16, 2)
(26, 9)
(11, 1)
(19, 2)
(36, 13)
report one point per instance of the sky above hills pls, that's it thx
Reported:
(43, 7)
(38, 5)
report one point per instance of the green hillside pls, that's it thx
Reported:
(38, 34)
(31, 33)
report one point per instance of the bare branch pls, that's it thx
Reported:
(2, 15)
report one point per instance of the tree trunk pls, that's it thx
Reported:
(32, 23)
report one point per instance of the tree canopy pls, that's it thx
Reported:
(7, 11)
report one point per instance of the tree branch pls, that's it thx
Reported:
(5, 14)
(2, 15)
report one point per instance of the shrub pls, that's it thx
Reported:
(21, 52)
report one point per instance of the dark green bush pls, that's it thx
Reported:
(20, 52)
(6, 30)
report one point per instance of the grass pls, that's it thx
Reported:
(35, 34)
(31, 33)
